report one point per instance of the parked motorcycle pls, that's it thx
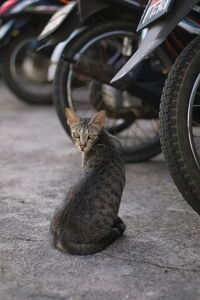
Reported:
(97, 45)
(23, 69)
(180, 103)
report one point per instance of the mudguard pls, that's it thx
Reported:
(87, 8)
(156, 34)
(75, 18)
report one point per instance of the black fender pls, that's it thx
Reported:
(82, 13)
(156, 35)
(87, 8)
(74, 20)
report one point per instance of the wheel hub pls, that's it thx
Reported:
(35, 68)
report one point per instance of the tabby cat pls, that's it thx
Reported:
(88, 221)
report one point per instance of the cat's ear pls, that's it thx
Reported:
(71, 116)
(99, 119)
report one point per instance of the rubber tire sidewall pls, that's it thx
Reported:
(10, 81)
(173, 121)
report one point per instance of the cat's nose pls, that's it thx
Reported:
(82, 147)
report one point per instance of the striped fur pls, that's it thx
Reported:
(87, 220)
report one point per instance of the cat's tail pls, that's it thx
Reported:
(84, 249)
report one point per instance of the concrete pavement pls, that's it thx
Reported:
(157, 258)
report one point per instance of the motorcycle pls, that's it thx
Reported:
(97, 45)
(23, 69)
(180, 102)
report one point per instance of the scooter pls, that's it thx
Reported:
(180, 102)
(23, 69)
(87, 26)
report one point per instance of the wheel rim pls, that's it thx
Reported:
(139, 132)
(27, 71)
(192, 125)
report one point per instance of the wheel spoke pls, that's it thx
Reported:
(195, 123)
(197, 147)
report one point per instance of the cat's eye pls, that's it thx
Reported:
(92, 136)
(76, 135)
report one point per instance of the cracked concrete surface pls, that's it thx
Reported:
(157, 258)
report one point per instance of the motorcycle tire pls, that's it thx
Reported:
(175, 136)
(37, 91)
(139, 153)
